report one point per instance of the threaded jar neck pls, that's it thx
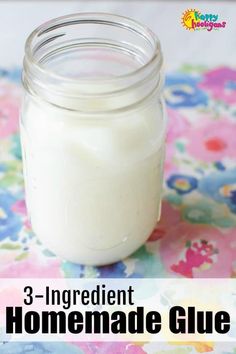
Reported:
(92, 62)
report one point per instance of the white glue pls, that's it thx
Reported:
(93, 184)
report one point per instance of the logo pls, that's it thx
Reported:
(193, 20)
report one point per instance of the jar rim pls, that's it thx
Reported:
(98, 17)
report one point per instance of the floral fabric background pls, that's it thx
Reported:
(196, 236)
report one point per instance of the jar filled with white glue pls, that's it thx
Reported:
(93, 135)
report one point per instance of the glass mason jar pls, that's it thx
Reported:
(93, 135)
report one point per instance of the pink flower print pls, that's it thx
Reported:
(31, 267)
(177, 125)
(169, 166)
(197, 255)
(221, 84)
(213, 141)
(9, 113)
(198, 251)
(110, 347)
(20, 208)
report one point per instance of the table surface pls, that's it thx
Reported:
(196, 236)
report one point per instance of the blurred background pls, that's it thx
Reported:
(19, 18)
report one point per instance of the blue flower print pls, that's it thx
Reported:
(39, 348)
(221, 186)
(182, 91)
(182, 184)
(12, 75)
(10, 223)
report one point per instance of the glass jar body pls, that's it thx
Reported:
(93, 177)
